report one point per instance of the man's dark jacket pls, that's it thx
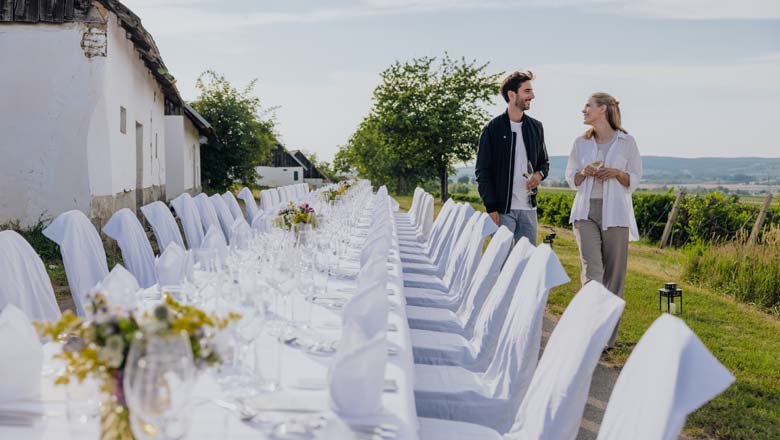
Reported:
(496, 159)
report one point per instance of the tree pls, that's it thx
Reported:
(426, 117)
(245, 132)
(464, 180)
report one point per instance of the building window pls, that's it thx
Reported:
(122, 120)
(295, 176)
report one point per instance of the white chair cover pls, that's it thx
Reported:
(208, 216)
(266, 200)
(433, 311)
(477, 351)
(276, 197)
(423, 252)
(669, 374)
(553, 406)
(492, 398)
(223, 214)
(82, 253)
(463, 260)
(232, 204)
(249, 202)
(190, 219)
(137, 254)
(164, 226)
(119, 287)
(445, 247)
(426, 219)
(20, 370)
(25, 282)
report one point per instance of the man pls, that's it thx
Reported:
(512, 160)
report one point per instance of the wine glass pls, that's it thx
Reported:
(158, 380)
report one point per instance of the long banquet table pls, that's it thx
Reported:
(209, 420)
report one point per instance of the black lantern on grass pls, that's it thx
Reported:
(670, 292)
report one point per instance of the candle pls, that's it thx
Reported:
(673, 308)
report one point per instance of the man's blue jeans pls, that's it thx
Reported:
(522, 222)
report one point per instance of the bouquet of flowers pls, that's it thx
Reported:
(293, 215)
(99, 347)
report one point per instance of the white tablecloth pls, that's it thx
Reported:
(210, 421)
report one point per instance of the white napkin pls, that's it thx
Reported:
(357, 375)
(22, 354)
(368, 311)
(171, 266)
(214, 239)
(240, 234)
(119, 287)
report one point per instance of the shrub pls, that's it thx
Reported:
(749, 273)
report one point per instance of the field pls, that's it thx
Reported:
(744, 339)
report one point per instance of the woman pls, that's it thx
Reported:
(604, 167)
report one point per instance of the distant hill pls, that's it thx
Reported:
(677, 170)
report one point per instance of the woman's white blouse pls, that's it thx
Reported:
(617, 207)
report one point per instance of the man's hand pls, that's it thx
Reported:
(534, 180)
(605, 174)
(494, 215)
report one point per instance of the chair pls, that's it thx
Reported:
(249, 202)
(208, 216)
(82, 253)
(669, 374)
(186, 210)
(491, 396)
(25, 283)
(223, 213)
(164, 226)
(555, 400)
(137, 254)
(232, 204)
(431, 310)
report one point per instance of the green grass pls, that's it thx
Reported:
(745, 339)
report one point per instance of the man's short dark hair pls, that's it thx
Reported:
(513, 81)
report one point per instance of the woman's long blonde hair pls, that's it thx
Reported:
(613, 112)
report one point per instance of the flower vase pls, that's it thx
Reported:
(114, 414)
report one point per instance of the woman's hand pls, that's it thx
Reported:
(607, 173)
(589, 171)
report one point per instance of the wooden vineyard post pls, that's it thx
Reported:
(761, 218)
(670, 221)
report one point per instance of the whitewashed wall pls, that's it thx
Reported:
(129, 84)
(272, 176)
(49, 107)
(182, 156)
(60, 134)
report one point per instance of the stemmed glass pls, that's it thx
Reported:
(158, 381)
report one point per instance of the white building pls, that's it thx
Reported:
(289, 167)
(89, 115)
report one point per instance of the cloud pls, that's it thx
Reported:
(182, 16)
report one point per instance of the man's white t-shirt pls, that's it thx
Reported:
(519, 189)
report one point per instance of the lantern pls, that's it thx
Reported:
(670, 292)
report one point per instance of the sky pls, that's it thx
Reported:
(695, 78)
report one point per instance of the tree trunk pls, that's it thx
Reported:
(443, 181)
(401, 185)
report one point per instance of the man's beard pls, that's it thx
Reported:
(522, 104)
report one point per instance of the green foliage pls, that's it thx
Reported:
(245, 132)
(704, 218)
(749, 273)
(464, 180)
(426, 117)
